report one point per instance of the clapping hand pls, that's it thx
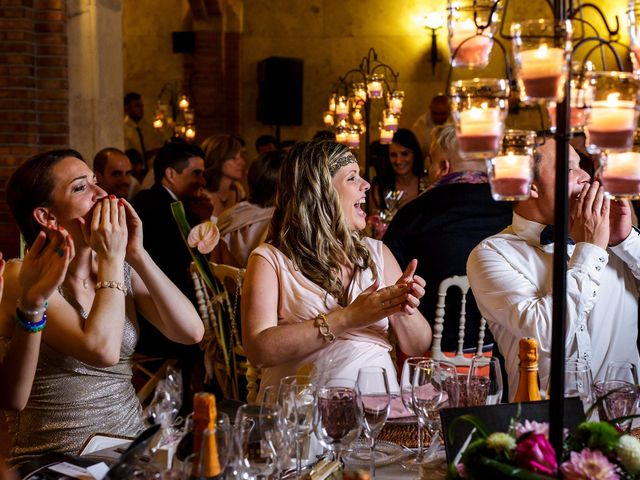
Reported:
(45, 266)
(373, 304)
(134, 229)
(415, 286)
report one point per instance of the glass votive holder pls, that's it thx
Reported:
(386, 136)
(353, 138)
(356, 116)
(327, 119)
(395, 101)
(332, 102)
(359, 91)
(342, 107)
(472, 24)
(342, 134)
(390, 120)
(183, 102)
(612, 115)
(374, 85)
(541, 50)
(619, 173)
(633, 16)
(511, 172)
(578, 112)
(479, 108)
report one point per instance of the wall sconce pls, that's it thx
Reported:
(434, 21)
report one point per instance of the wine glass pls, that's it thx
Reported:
(375, 397)
(428, 396)
(619, 393)
(578, 381)
(454, 382)
(256, 429)
(297, 396)
(484, 384)
(338, 415)
(406, 387)
(283, 440)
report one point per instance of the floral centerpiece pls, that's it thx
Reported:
(594, 451)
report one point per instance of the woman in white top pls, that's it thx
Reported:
(318, 293)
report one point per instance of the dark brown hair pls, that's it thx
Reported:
(30, 187)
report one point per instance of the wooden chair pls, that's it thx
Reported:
(231, 279)
(461, 282)
(150, 370)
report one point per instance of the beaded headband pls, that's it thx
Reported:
(340, 162)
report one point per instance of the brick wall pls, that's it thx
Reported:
(34, 91)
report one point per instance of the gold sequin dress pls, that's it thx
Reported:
(71, 400)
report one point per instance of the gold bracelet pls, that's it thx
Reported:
(112, 284)
(323, 327)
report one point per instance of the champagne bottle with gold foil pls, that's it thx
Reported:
(205, 464)
(528, 383)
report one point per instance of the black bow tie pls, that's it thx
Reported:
(546, 236)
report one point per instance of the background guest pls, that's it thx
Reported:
(224, 168)
(402, 170)
(139, 135)
(266, 143)
(442, 226)
(318, 293)
(83, 380)
(244, 226)
(439, 113)
(114, 173)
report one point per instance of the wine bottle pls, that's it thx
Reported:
(206, 465)
(528, 383)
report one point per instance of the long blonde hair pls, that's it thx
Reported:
(308, 225)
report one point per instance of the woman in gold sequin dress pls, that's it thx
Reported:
(83, 380)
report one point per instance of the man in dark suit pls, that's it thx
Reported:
(178, 171)
(441, 227)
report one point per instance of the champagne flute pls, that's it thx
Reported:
(428, 395)
(375, 398)
(484, 384)
(297, 397)
(338, 416)
(406, 387)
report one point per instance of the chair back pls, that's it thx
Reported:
(461, 282)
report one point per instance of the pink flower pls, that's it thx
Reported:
(205, 236)
(533, 426)
(588, 465)
(462, 473)
(535, 453)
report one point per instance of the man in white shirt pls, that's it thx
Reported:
(511, 275)
(439, 113)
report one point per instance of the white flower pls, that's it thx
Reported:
(204, 236)
(500, 441)
(628, 450)
(533, 426)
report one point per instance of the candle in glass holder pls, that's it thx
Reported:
(480, 130)
(395, 101)
(332, 103)
(621, 174)
(353, 138)
(390, 120)
(328, 118)
(511, 177)
(190, 133)
(183, 103)
(342, 108)
(386, 136)
(341, 135)
(611, 123)
(374, 86)
(158, 123)
(356, 116)
(360, 91)
(475, 51)
(541, 71)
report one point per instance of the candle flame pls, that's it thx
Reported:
(613, 98)
(543, 51)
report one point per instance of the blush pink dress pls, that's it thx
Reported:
(300, 299)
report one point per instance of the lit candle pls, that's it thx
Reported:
(390, 120)
(386, 136)
(475, 51)
(332, 103)
(190, 133)
(480, 130)
(183, 104)
(360, 91)
(541, 71)
(341, 135)
(612, 122)
(158, 123)
(356, 116)
(342, 108)
(328, 118)
(374, 87)
(353, 138)
(511, 177)
(621, 174)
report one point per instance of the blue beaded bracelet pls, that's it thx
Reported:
(31, 327)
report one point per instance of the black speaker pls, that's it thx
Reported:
(280, 91)
(183, 42)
